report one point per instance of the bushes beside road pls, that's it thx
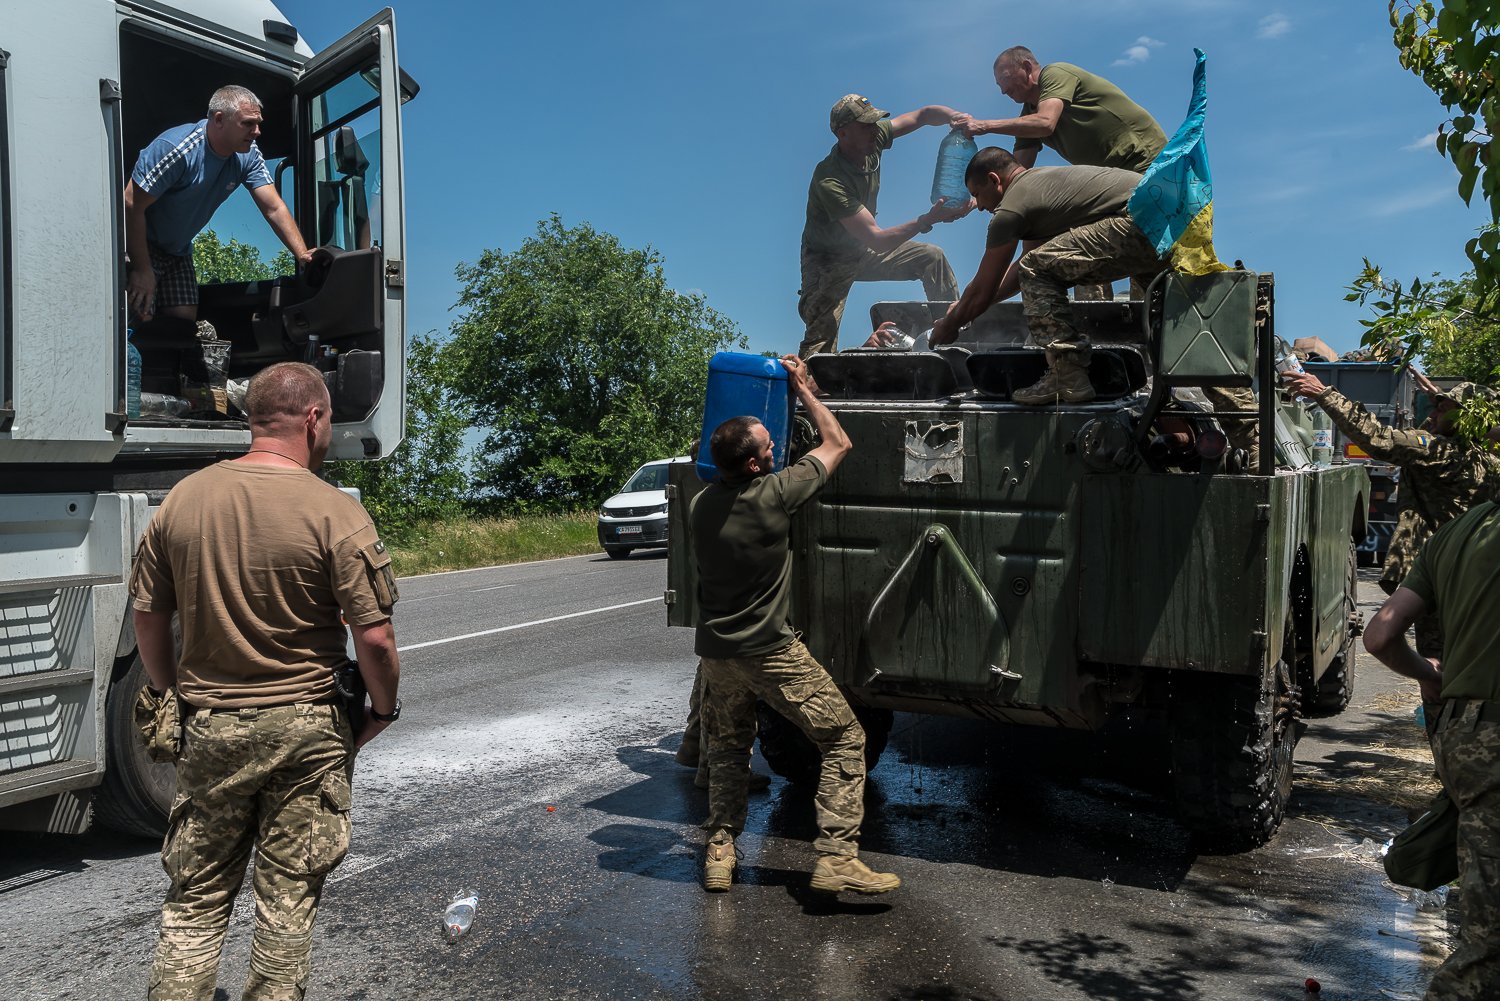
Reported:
(458, 544)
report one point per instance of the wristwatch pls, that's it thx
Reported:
(390, 717)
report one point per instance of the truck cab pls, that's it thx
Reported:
(85, 85)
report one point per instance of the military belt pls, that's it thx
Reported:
(1489, 712)
(251, 712)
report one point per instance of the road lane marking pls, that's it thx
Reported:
(449, 594)
(523, 625)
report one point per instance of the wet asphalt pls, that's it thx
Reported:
(533, 762)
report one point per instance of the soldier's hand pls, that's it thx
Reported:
(1303, 384)
(796, 372)
(972, 126)
(373, 728)
(943, 211)
(884, 336)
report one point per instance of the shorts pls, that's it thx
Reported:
(176, 280)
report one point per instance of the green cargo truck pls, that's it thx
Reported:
(1055, 566)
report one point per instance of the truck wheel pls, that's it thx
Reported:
(1232, 743)
(136, 794)
(792, 756)
(1330, 694)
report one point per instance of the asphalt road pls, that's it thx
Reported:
(533, 761)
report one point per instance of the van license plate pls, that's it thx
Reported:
(628, 530)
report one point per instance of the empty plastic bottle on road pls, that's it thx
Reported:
(459, 916)
(953, 159)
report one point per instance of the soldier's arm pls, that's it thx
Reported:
(153, 639)
(932, 114)
(1385, 639)
(1380, 440)
(380, 667)
(862, 226)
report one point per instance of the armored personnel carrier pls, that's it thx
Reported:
(1055, 566)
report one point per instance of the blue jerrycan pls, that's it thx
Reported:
(745, 385)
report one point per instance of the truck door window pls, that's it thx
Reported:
(346, 172)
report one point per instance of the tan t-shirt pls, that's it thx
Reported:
(258, 561)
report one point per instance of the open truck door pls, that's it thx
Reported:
(349, 205)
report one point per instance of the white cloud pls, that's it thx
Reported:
(1273, 26)
(1413, 201)
(1139, 52)
(1426, 142)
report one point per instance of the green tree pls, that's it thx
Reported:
(1454, 52)
(1442, 324)
(426, 477)
(216, 261)
(581, 362)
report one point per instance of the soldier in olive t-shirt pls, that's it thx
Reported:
(841, 241)
(1086, 119)
(1454, 576)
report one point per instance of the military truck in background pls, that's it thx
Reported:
(84, 86)
(1058, 566)
(1388, 390)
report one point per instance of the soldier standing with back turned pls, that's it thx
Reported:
(257, 557)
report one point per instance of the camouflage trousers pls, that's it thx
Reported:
(1245, 433)
(1101, 251)
(827, 279)
(795, 685)
(694, 732)
(1468, 761)
(273, 781)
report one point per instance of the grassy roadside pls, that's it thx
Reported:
(479, 542)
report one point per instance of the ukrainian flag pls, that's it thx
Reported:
(1173, 203)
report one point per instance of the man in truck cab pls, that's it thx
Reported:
(179, 181)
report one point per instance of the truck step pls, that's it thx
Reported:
(27, 584)
(21, 785)
(11, 689)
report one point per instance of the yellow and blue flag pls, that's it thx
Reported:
(1173, 203)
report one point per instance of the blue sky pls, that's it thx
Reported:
(693, 129)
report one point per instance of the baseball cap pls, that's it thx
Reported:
(1467, 392)
(853, 108)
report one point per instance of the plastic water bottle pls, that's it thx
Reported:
(953, 158)
(1322, 439)
(1286, 359)
(132, 376)
(459, 916)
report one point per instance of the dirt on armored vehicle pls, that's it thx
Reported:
(1060, 565)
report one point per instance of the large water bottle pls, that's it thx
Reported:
(132, 375)
(953, 159)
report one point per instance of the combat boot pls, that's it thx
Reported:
(1073, 385)
(1043, 391)
(836, 873)
(687, 754)
(718, 866)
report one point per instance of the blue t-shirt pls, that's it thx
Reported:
(189, 182)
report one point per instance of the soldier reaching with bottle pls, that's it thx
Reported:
(1442, 474)
(740, 527)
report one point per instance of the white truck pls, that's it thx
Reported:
(84, 86)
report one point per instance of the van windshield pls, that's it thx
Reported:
(653, 477)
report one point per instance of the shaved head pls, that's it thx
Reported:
(280, 396)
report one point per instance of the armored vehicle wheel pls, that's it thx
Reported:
(1330, 694)
(1232, 743)
(792, 756)
(617, 552)
(136, 794)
